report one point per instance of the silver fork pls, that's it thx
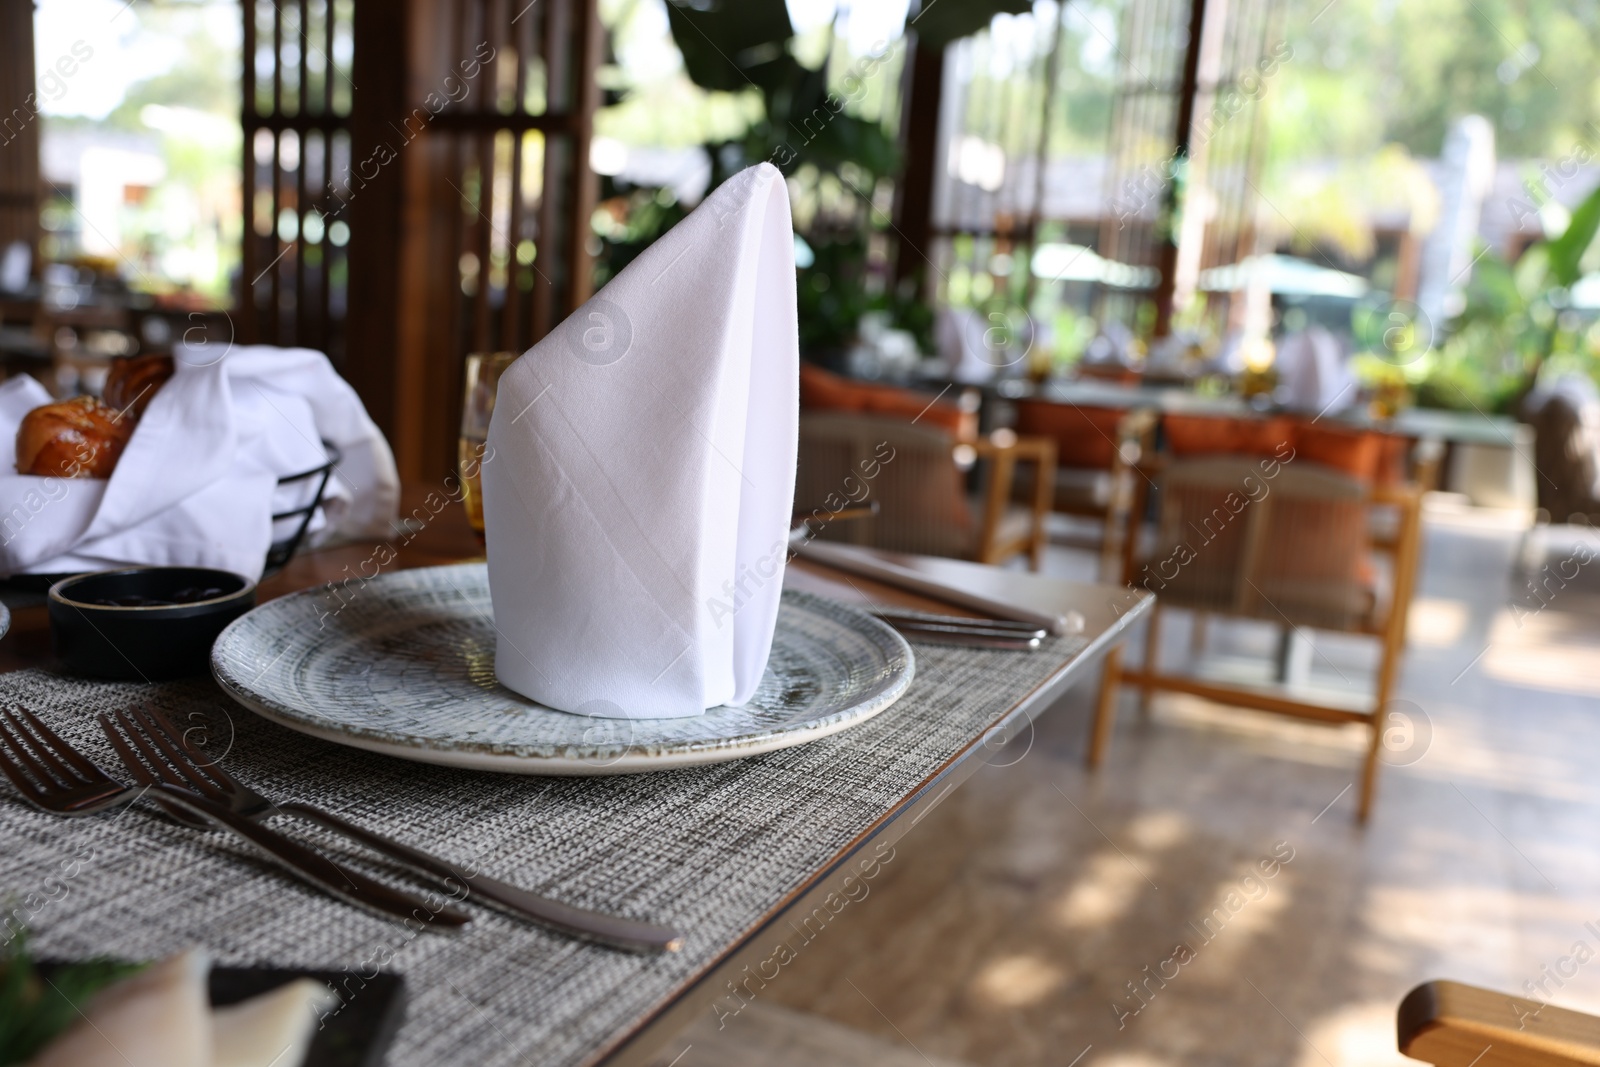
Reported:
(166, 752)
(53, 776)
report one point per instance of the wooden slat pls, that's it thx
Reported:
(274, 331)
(1240, 696)
(329, 73)
(585, 184)
(299, 123)
(557, 29)
(1453, 1025)
(248, 327)
(302, 323)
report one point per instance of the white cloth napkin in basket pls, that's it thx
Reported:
(639, 479)
(197, 484)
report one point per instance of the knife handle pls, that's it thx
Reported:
(579, 922)
(350, 886)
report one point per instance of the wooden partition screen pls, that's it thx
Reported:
(297, 97)
(418, 187)
(1186, 143)
(495, 230)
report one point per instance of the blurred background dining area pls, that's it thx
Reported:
(1287, 314)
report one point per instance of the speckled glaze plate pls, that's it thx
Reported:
(406, 668)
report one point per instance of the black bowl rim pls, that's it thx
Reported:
(56, 595)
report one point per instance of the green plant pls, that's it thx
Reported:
(808, 129)
(1516, 320)
(34, 1009)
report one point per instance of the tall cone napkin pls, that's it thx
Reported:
(639, 477)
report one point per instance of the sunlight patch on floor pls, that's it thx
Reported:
(1017, 981)
(1108, 888)
(1358, 1034)
(1127, 1059)
(1434, 622)
(1547, 649)
(1157, 830)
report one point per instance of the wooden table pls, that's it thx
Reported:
(437, 533)
(1110, 613)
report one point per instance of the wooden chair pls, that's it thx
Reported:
(1453, 1025)
(1285, 543)
(1098, 452)
(918, 475)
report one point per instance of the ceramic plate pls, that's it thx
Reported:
(407, 668)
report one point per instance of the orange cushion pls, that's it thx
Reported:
(1208, 435)
(1353, 452)
(822, 390)
(1084, 437)
(825, 391)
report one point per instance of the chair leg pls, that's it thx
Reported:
(1197, 635)
(1152, 646)
(1105, 709)
(1369, 769)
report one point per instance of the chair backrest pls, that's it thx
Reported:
(910, 470)
(1085, 437)
(1286, 542)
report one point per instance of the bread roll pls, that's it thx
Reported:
(133, 382)
(77, 438)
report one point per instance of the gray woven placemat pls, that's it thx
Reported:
(709, 849)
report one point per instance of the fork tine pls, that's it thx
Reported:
(187, 760)
(130, 758)
(32, 754)
(10, 755)
(62, 751)
(156, 765)
(170, 763)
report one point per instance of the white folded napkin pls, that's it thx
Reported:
(639, 478)
(197, 483)
(160, 1017)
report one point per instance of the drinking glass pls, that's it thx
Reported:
(477, 405)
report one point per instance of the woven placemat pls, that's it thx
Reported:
(710, 850)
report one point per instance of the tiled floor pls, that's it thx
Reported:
(1010, 925)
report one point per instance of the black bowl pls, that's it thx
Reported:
(145, 623)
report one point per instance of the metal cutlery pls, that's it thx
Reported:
(960, 630)
(962, 622)
(53, 776)
(160, 751)
(902, 573)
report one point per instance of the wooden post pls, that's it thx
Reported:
(919, 134)
(1188, 92)
(372, 363)
(20, 180)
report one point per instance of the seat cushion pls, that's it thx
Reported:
(1353, 452)
(822, 390)
(1366, 455)
(1211, 435)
